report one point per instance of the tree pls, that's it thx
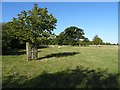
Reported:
(9, 40)
(70, 35)
(60, 39)
(86, 41)
(107, 43)
(97, 40)
(33, 25)
(5, 38)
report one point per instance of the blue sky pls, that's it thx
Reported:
(95, 18)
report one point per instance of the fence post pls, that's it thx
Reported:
(34, 53)
(31, 52)
(28, 51)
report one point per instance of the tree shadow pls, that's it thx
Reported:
(62, 54)
(70, 78)
(20, 51)
(42, 46)
(14, 52)
(14, 81)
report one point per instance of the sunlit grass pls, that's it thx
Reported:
(52, 60)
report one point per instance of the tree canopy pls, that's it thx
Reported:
(97, 40)
(70, 35)
(33, 25)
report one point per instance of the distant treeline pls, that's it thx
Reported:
(70, 36)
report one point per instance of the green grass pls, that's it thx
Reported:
(65, 67)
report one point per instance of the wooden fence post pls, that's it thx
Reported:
(34, 53)
(31, 52)
(28, 51)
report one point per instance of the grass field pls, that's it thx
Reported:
(68, 66)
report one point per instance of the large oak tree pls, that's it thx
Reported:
(33, 25)
(70, 35)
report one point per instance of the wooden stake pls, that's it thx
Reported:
(28, 51)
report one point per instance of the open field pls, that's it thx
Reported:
(67, 66)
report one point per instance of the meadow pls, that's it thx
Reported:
(67, 66)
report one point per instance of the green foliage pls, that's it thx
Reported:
(86, 41)
(97, 40)
(5, 37)
(9, 40)
(70, 36)
(33, 25)
(74, 33)
(61, 39)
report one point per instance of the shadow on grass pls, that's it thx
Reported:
(20, 51)
(62, 54)
(42, 46)
(14, 52)
(13, 81)
(70, 78)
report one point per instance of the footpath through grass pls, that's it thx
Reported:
(68, 66)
